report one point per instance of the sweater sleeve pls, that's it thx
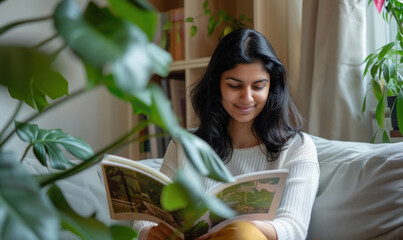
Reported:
(294, 212)
(168, 167)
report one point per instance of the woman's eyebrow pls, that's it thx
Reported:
(238, 80)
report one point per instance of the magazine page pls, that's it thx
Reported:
(253, 196)
(135, 194)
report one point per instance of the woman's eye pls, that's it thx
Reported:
(234, 86)
(259, 87)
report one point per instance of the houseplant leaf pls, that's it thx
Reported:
(380, 111)
(192, 194)
(86, 228)
(376, 88)
(385, 49)
(144, 18)
(126, 52)
(88, 35)
(26, 211)
(36, 81)
(48, 143)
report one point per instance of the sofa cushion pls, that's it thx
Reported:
(360, 192)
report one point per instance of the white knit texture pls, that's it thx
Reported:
(299, 157)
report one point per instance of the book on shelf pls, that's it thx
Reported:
(177, 34)
(152, 145)
(134, 191)
(177, 92)
(170, 32)
(162, 30)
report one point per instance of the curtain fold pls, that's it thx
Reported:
(330, 88)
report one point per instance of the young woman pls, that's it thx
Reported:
(249, 119)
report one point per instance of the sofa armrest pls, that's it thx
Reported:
(360, 192)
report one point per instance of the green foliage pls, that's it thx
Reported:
(46, 143)
(143, 15)
(29, 76)
(122, 44)
(26, 212)
(113, 44)
(384, 67)
(86, 228)
(220, 19)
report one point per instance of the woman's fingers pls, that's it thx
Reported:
(161, 232)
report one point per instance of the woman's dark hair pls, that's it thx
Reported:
(279, 119)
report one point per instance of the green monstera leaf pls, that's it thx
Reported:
(26, 211)
(139, 12)
(187, 191)
(111, 45)
(29, 77)
(86, 228)
(48, 143)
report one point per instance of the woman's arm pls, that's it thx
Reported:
(293, 215)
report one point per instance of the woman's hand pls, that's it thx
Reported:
(161, 232)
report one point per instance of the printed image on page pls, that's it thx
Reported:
(254, 196)
(136, 195)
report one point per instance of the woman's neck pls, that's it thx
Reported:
(242, 135)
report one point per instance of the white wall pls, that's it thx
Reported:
(96, 116)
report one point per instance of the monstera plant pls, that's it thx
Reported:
(109, 41)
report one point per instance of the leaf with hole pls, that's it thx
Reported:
(48, 145)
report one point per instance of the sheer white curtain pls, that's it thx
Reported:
(330, 88)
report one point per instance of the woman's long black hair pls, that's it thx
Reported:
(279, 119)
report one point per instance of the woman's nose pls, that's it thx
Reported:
(247, 95)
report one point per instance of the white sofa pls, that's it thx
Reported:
(360, 193)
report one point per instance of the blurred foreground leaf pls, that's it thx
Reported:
(25, 211)
(29, 77)
(139, 12)
(111, 45)
(86, 228)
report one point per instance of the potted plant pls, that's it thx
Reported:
(33, 207)
(384, 66)
(221, 18)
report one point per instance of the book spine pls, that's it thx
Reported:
(177, 36)
(177, 89)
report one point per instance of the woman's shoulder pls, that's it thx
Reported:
(300, 148)
(301, 140)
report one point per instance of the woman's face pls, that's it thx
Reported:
(244, 91)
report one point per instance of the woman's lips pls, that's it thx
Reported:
(244, 109)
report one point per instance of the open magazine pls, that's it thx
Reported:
(134, 190)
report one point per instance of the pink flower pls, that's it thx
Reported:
(379, 4)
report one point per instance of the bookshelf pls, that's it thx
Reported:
(199, 48)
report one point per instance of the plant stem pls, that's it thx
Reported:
(46, 41)
(56, 53)
(26, 152)
(14, 24)
(32, 117)
(48, 179)
(17, 110)
(140, 138)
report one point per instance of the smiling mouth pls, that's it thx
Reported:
(244, 109)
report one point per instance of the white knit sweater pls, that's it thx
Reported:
(299, 157)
